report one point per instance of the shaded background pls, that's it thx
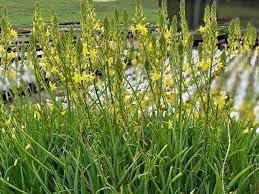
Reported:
(246, 10)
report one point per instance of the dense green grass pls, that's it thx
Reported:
(68, 10)
(21, 12)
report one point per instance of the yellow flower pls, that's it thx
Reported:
(53, 70)
(97, 26)
(167, 34)
(168, 81)
(52, 86)
(13, 33)
(77, 78)
(155, 76)
(88, 77)
(142, 29)
(85, 50)
(219, 66)
(93, 54)
(10, 55)
(204, 65)
(220, 101)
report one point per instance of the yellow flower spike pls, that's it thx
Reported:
(97, 26)
(204, 65)
(90, 78)
(13, 33)
(167, 34)
(84, 77)
(10, 55)
(168, 81)
(142, 29)
(220, 66)
(53, 70)
(85, 50)
(155, 76)
(52, 51)
(52, 86)
(220, 101)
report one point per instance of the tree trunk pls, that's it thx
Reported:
(172, 8)
(194, 10)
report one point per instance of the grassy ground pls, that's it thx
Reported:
(68, 10)
(21, 12)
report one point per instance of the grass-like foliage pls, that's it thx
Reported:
(89, 129)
